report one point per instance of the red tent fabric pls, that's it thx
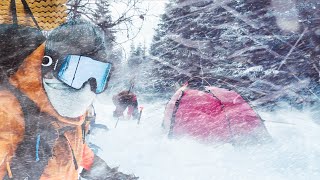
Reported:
(214, 115)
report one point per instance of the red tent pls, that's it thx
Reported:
(214, 115)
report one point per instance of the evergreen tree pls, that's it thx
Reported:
(139, 51)
(132, 49)
(235, 43)
(136, 56)
(97, 12)
(102, 17)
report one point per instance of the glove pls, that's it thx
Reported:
(101, 171)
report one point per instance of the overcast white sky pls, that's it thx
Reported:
(155, 9)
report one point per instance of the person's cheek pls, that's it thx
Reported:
(69, 102)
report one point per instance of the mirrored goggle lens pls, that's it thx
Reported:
(76, 70)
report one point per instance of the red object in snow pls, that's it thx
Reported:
(87, 157)
(215, 115)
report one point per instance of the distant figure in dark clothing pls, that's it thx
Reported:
(124, 100)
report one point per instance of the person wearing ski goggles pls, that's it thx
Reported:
(75, 69)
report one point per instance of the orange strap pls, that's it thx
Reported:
(9, 170)
(72, 152)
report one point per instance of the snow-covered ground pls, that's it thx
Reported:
(146, 151)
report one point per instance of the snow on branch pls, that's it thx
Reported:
(292, 49)
(181, 71)
(187, 42)
(191, 2)
(208, 8)
(197, 45)
(240, 16)
(283, 91)
(246, 49)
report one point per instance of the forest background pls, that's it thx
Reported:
(267, 50)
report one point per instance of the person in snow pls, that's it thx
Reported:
(124, 100)
(44, 95)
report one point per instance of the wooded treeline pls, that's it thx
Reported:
(264, 49)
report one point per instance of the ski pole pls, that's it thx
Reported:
(278, 122)
(131, 85)
(141, 108)
(117, 122)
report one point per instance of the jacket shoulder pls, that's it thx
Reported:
(11, 114)
(9, 102)
(11, 127)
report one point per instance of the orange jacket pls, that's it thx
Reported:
(29, 81)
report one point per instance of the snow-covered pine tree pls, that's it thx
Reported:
(98, 12)
(101, 16)
(136, 56)
(234, 43)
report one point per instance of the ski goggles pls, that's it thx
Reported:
(77, 70)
